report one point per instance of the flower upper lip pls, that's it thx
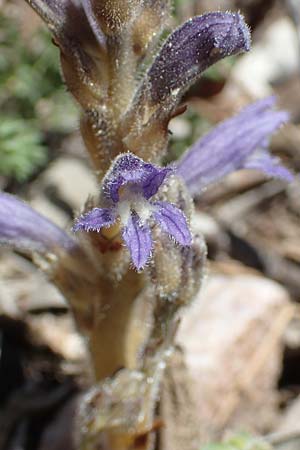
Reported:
(129, 169)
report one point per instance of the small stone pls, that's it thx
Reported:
(23, 289)
(63, 188)
(231, 340)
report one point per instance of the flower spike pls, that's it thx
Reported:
(237, 143)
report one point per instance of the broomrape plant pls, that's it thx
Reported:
(133, 258)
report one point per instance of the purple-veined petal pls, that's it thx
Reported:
(125, 169)
(137, 238)
(172, 220)
(23, 228)
(128, 168)
(192, 48)
(95, 219)
(270, 165)
(154, 180)
(229, 146)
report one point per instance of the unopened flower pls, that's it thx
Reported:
(128, 189)
(192, 48)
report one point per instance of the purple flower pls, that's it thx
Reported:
(23, 228)
(238, 143)
(127, 189)
(192, 48)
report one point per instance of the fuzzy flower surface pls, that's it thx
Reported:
(240, 142)
(128, 190)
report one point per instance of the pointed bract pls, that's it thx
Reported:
(231, 145)
(66, 19)
(53, 12)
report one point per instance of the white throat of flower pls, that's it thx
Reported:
(133, 200)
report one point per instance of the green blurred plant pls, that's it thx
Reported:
(242, 441)
(20, 149)
(32, 99)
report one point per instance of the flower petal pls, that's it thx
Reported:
(137, 238)
(229, 146)
(270, 165)
(192, 48)
(172, 220)
(154, 180)
(95, 219)
(23, 228)
(128, 168)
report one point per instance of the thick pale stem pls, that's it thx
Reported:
(108, 339)
(102, 310)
